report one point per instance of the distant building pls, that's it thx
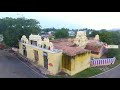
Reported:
(42, 32)
(71, 33)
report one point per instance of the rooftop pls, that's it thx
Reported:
(94, 46)
(68, 46)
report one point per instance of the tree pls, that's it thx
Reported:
(110, 37)
(62, 33)
(93, 33)
(113, 53)
(13, 29)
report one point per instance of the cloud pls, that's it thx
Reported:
(95, 20)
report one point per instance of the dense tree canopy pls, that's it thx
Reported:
(12, 29)
(62, 33)
(111, 38)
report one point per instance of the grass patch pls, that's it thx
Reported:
(90, 71)
(84, 74)
(87, 73)
(115, 64)
(93, 71)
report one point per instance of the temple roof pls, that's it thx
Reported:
(94, 46)
(68, 47)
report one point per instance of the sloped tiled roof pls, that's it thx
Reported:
(94, 45)
(68, 47)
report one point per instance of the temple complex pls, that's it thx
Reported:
(69, 55)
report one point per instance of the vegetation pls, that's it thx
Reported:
(110, 37)
(88, 73)
(13, 29)
(46, 30)
(62, 33)
(84, 74)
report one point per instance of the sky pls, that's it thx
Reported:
(71, 20)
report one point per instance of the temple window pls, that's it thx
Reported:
(34, 43)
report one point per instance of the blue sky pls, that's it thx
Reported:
(71, 20)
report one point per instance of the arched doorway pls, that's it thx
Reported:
(36, 56)
(24, 51)
(45, 55)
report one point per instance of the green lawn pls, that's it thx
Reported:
(115, 64)
(94, 71)
(87, 73)
(84, 74)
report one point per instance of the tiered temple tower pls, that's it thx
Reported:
(81, 39)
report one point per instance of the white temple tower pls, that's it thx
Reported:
(81, 39)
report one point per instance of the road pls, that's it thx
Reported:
(10, 67)
(113, 73)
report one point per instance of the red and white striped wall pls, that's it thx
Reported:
(101, 62)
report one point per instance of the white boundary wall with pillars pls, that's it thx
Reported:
(102, 62)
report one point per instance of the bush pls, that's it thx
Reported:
(113, 53)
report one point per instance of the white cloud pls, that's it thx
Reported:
(95, 20)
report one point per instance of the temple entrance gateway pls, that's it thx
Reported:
(24, 51)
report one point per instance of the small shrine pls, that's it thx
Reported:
(96, 37)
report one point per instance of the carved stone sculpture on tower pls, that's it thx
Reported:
(81, 39)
